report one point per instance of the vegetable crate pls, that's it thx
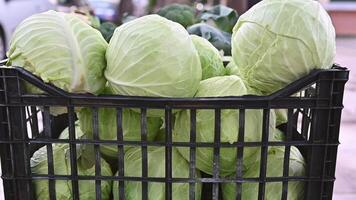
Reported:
(313, 104)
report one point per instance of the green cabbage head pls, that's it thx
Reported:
(210, 58)
(279, 41)
(279, 135)
(61, 162)
(107, 121)
(156, 168)
(219, 87)
(61, 49)
(78, 133)
(232, 69)
(274, 169)
(281, 116)
(152, 56)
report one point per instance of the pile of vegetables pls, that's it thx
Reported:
(156, 57)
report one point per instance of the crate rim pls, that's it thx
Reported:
(282, 93)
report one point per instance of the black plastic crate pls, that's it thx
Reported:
(313, 126)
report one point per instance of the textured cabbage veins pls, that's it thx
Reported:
(61, 49)
(152, 56)
(279, 41)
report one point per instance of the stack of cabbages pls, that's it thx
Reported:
(274, 43)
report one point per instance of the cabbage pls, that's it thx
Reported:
(232, 69)
(279, 41)
(220, 39)
(273, 190)
(62, 50)
(61, 160)
(61, 163)
(281, 116)
(78, 132)
(217, 87)
(156, 168)
(107, 121)
(152, 56)
(210, 59)
(279, 135)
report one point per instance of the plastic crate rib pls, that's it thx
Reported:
(314, 105)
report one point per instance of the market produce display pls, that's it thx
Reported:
(154, 56)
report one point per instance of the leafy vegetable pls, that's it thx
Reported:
(279, 135)
(224, 17)
(62, 50)
(62, 166)
(180, 13)
(210, 59)
(221, 40)
(273, 190)
(218, 87)
(107, 30)
(107, 122)
(232, 69)
(78, 132)
(141, 60)
(296, 37)
(156, 168)
(281, 116)
(94, 21)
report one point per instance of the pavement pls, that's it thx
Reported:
(345, 185)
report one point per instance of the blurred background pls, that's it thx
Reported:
(107, 14)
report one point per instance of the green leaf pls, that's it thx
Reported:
(220, 39)
(107, 30)
(224, 17)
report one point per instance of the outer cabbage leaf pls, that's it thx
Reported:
(232, 69)
(279, 135)
(156, 168)
(218, 87)
(279, 41)
(281, 116)
(78, 132)
(210, 59)
(273, 190)
(107, 121)
(62, 50)
(221, 40)
(61, 162)
(153, 56)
